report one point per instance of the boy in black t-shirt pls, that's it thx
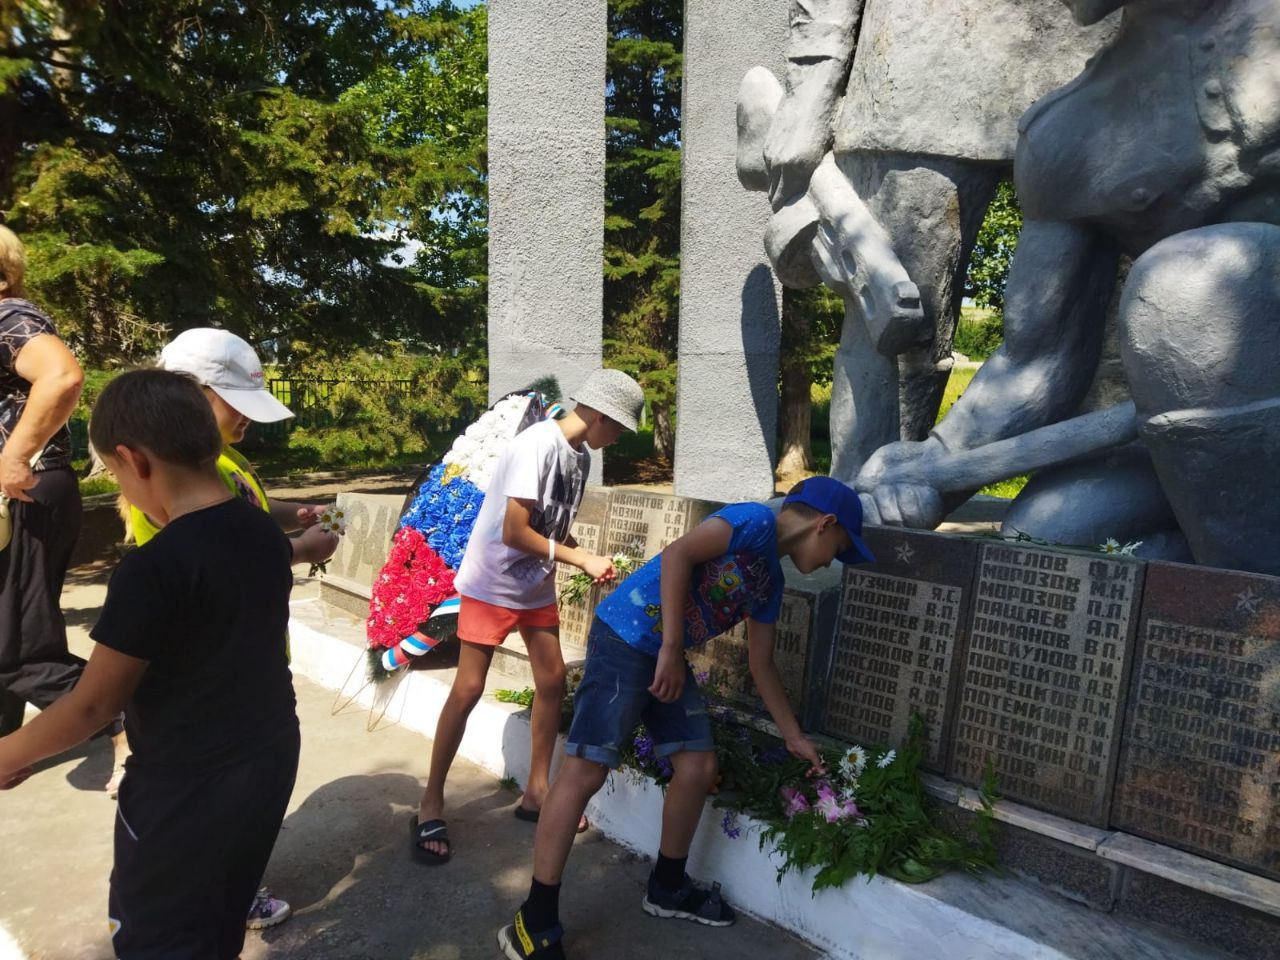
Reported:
(191, 645)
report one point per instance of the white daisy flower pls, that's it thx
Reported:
(887, 759)
(853, 762)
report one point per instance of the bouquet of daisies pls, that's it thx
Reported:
(414, 605)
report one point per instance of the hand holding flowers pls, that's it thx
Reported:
(598, 568)
(575, 589)
(332, 519)
(802, 747)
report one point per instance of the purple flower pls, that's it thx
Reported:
(644, 748)
(774, 755)
(664, 767)
(729, 824)
(794, 802)
(831, 806)
(702, 676)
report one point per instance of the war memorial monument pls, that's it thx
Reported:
(1129, 704)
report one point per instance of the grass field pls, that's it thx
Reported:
(956, 385)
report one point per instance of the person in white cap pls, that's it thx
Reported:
(507, 582)
(235, 386)
(230, 373)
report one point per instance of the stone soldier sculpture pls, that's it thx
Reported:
(882, 197)
(1166, 149)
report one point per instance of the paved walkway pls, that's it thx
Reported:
(342, 859)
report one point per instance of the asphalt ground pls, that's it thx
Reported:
(343, 858)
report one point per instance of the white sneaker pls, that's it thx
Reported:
(266, 911)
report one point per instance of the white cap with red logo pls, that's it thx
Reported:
(228, 366)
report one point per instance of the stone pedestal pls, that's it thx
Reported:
(727, 392)
(588, 530)
(372, 520)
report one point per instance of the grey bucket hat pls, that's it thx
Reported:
(614, 394)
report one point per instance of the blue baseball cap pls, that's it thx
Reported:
(831, 496)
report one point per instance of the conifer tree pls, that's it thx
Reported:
(642, 200)
(249, 164)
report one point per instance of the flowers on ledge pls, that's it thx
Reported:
(1112, 545)
(865, 817)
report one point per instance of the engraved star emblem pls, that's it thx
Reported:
(905, 552)
(1248, 600)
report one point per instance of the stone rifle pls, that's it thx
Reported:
(1048, 446)
(827, 233)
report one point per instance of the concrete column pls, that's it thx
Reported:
(546, 191)
(727, 393)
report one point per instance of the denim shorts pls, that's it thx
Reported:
(613, 699)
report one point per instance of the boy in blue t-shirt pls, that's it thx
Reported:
(724, 571)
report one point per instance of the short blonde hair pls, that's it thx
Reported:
(13, 261)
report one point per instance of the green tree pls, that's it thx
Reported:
(178, 163)
(642, 199)
(993, 250)
(810, 331)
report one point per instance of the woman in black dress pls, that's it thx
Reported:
(40, 384)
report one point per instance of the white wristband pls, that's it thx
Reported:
(551, 549)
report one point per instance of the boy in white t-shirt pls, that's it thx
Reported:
(507, 582)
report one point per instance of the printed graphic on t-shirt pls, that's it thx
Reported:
(244, 489)
(745, 581)
(552, 517)
(20, 323)
(725, 591)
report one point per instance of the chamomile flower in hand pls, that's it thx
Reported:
(333, 520)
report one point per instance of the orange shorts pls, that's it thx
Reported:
(488, 624)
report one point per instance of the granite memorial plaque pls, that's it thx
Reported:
(1044, 676)
(724, 657)
(1200, 752)
(640, 524)
(900, 622)
(588, 530)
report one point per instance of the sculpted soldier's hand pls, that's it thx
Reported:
(798, 140)
(901, 478)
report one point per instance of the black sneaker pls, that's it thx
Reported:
(517, 943)
(690, 902)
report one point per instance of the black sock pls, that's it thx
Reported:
(669, 871)
(542, 909)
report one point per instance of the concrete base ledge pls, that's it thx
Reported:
(954, 916)
(1185, 869)
(1197, 873)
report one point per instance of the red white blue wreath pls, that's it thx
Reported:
(414, 605)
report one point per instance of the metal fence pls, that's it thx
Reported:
(309, 400)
